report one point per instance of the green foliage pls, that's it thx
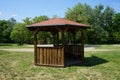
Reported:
(97, 35)
(20, 33)
(79, 13)
(39, 19)
(99, 18)
(5, 29)
(27, 21)
(44, 37)
(68, 37)
(115, 29)
(107, 17)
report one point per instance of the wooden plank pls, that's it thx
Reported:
(53, 57)
(62, 56)
(48, 57)
(45, 55)
(59, 57)
(55, 49)
(41, 56)
(38, 56)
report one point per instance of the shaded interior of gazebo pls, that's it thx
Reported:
(58, 54)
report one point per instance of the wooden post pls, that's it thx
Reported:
(82, 44)
(63, 39)
(35, 49)
(63, 44)
(74, 37)
(35, 46)
(57, 38)
(74, 41)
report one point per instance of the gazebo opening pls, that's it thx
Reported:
(63, 51)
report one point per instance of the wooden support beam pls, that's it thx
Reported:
(82, 44)
(63, 39)
(35, 45)
(66, 29)
(57, 38)
(59, 29)
(35, 49)
(62, 30)
(74, 41)
(36, 31)
(74, 37)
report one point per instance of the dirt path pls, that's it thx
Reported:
(32, 49)
(19, 50)
(102, 50)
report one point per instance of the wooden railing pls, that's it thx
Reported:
(73, 49)
(51, 56)
(55, 55)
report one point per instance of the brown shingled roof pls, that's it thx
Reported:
(57, 22)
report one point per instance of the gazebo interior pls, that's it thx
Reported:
(59, 53)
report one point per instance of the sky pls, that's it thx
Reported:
(20, 9)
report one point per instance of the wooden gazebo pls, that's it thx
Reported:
(58, 54)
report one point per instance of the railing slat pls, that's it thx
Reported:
(38, 56)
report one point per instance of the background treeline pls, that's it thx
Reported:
(104, 22)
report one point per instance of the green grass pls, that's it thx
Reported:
(108, 46)
(98, 65)
(9, 45)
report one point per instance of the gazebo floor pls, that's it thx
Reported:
(71, 61)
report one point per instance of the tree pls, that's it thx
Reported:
(115, 34)
(95, 18)
(20, 33)
(39, 18)
(107, 18)
(79, 13)
(97, 35)
(27, 20)
(5, 29)
(83, 13)
(3, 26)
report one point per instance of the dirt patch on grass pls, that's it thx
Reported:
(19, 50)
(86, 49)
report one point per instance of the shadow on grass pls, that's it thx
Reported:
(92, 61)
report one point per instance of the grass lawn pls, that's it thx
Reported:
(99, 65)
(9, 45)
